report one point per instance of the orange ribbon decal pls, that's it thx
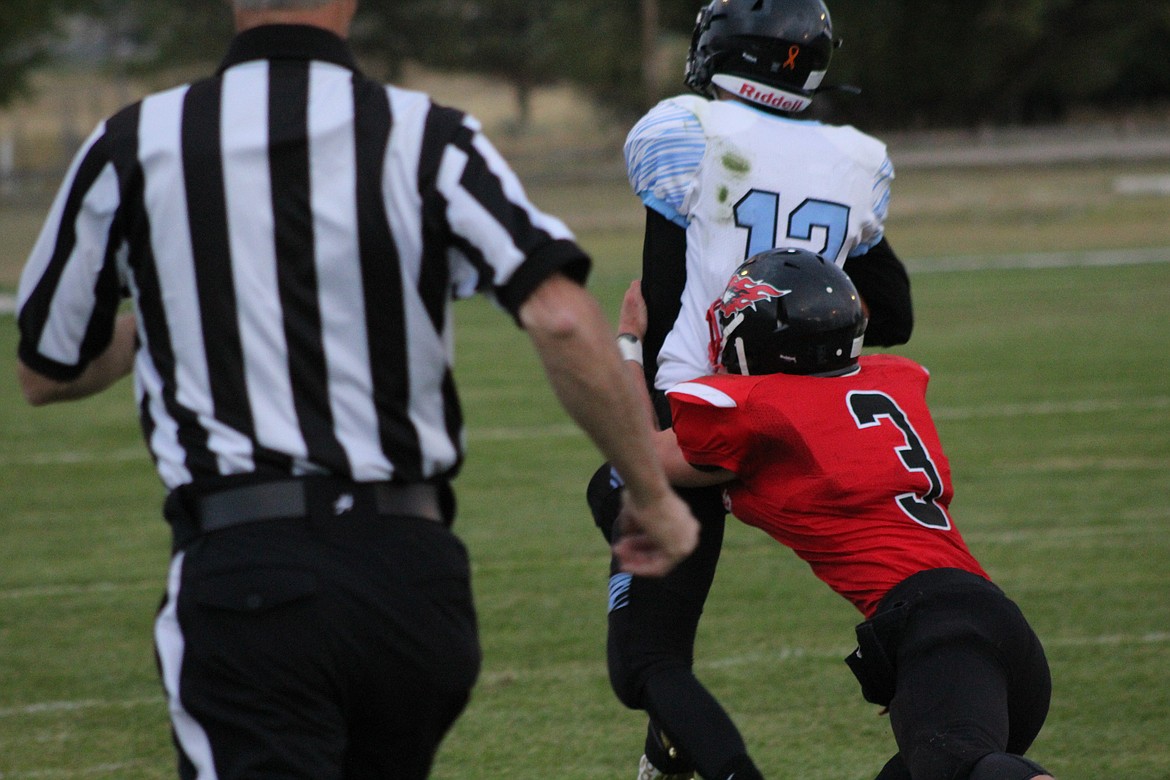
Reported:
(790, 63)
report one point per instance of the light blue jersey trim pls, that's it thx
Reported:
(881, 205)
(663, 152)
(663, 208)
(619, 591)
(881, 187)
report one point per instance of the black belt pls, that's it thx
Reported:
(288, 498)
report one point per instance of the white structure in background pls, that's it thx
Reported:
(7, 163)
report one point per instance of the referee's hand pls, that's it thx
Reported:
(654, 537)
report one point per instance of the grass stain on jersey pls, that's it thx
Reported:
(736, 164)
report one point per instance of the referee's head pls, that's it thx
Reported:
(332, 15)
(278, 5)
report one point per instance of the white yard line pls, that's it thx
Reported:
(795, 653)
(78, 705)
(925, 265)
(70, 457)
(1136, 524)
(57, 591)
(580, 670)
(556, 431)
(1044, 408)
(567, 430)
(1064, 537)
(1105, 258)
(111, 770)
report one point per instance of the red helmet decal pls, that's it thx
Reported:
(745, 292)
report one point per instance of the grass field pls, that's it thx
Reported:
(1051, 385)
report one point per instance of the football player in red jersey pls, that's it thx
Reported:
(836, 456)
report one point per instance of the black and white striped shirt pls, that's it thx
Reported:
(291, 234)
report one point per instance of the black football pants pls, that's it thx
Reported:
(334, 648)
(653, 623)
(970, 678)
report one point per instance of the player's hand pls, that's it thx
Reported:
(653, 538)
(632, 317)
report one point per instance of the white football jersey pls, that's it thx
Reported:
(742, 181)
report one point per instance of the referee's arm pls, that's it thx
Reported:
(575, 344)
(115, 362)
(81, 226)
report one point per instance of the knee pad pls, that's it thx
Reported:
(1005, 766)
(627, 674)
(627, 677)
(627, 691)
(631, 674)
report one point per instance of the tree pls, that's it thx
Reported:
(512, 40)
(922, 63)
(157, 35)
(926, 64)
(30, 29)
(919, 63)
(650, 49)
(604, 53)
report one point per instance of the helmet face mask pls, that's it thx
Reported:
(771, 52)
(787, 311)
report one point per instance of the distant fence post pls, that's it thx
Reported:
(8, 162)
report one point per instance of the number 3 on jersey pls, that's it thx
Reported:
(870, 409)
(759, 213)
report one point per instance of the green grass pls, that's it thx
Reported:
(1053, 398)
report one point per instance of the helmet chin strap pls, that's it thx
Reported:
(739, 353)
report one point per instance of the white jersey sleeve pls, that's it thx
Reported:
(663, 152)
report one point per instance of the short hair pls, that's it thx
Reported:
(278, 5)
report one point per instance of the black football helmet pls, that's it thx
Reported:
(770, 52)
(787, 311)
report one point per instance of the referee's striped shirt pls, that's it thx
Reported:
(292, 234)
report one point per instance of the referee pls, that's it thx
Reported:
(291, 235)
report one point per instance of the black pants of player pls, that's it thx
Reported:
(962, 672)
(338, 646)
(653, 623)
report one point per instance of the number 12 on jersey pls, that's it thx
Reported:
(759, 213)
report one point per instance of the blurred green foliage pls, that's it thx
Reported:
(919, 63)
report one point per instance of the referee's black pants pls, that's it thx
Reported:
(330, 647)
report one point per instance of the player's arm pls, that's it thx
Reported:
(632, 321)
(664, 274)
(115, 362)
(663, 153)
(884, 285)
(679, 471)
(576, 347)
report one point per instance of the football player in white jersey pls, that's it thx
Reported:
(724, 174)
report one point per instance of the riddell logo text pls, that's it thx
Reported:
(770, 98)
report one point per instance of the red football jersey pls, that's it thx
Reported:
(847, 471)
